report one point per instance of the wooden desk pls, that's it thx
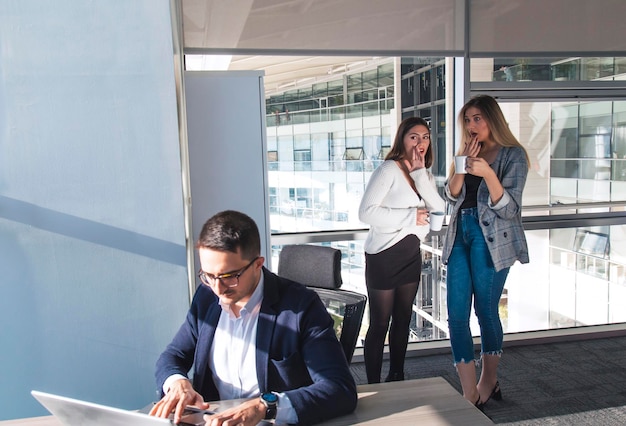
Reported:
(432, 402)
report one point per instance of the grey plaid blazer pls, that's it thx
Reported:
(501, 223)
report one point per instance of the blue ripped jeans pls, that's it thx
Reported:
(471, 274)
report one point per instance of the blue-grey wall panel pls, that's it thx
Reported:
(92, 244)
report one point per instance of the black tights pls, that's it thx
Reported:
(397, 305)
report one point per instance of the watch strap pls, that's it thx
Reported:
(270, 400)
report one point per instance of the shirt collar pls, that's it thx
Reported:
(254, 301)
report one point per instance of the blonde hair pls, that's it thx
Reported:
(494, 118)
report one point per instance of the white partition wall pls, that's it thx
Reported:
(93, 272)
(227, 148)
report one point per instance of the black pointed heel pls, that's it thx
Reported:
(478, 404)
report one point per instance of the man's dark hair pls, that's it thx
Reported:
(231, 231)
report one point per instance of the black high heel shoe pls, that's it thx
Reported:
(478, 404)
(496, 393)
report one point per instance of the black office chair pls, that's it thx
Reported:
(319, 267)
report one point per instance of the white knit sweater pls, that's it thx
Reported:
(390, 205)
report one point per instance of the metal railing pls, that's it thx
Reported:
(554, 217)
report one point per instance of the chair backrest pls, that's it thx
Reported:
(319, 267)
(314, 266)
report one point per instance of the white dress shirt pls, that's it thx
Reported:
(233, 357)
(233, 353)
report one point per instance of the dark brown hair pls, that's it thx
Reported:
(231, 231)
(397, 150)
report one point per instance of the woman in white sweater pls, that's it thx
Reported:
(396, 205)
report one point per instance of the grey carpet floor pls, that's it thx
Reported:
(563, 383)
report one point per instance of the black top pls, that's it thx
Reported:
(471, 189)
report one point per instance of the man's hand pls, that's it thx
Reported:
(180, 395)
(249, 413)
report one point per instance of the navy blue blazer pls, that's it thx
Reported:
(297, 351)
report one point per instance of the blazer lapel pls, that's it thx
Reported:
(205, 338)
(265, 329)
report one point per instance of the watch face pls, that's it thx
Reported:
(269, 397)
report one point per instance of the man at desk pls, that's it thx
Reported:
(252, 334)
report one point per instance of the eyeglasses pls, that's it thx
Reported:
(230, 279)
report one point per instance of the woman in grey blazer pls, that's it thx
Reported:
(484, 238)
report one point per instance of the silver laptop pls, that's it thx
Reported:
(74, 412)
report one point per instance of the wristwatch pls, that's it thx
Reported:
(270, 400)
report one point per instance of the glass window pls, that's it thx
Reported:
(302, 155)
(302, 142)
(353, 154)
(407, 85)
(354, 83)
(354, 111)
(272, 143)
(564, 131)
(596, 117)
(594, 68)
(372, 143)
(577, 153)
(618, 190)
(320, 151)
(515, 69)
(290, 96)
(385, 75)
(302, 160)
(285, 152)
(620, 67)
(319, 90)
(424, 94)
(370, 80)
(547, 69)
(596, 146)
(564, 169)
(335, 92)
(562, 191)
(440, 83)
(573, 279)
(354, 139)
(383, 152)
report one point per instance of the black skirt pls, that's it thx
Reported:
(393, 267)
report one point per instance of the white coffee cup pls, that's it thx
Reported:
(436, 220)
(460, 162)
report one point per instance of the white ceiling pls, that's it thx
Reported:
(284, 73)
